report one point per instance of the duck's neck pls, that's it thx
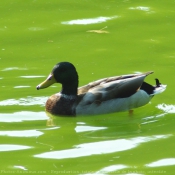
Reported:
(70, 88)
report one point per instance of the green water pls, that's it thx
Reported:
(101, 38)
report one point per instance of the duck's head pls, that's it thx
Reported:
(64, 73)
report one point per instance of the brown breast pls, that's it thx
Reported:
(59, 105)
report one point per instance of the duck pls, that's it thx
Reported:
(107, 95)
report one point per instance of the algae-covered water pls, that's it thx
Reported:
(102, 39)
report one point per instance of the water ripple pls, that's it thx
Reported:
(32, 76)
(88, 128)
(13, 68)
(109, 169)
(28, 101)
(10, 147)
(23, 133)
(89, 20)
(162, 162)
(96, 148)
(167, 108)
(17, 87)
(20, 167)
(22, 116)
(140, 8)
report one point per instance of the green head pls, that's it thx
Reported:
(64, 73)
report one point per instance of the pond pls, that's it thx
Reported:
(102, 39)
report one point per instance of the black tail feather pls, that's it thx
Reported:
(157, 82)
(147, 87)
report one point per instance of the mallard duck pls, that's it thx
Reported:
(113, 94)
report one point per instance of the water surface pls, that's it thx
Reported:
(102, 39)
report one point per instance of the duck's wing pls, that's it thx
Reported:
(115, 80)
(111, 88)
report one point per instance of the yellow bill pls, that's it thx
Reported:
(48, 82)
